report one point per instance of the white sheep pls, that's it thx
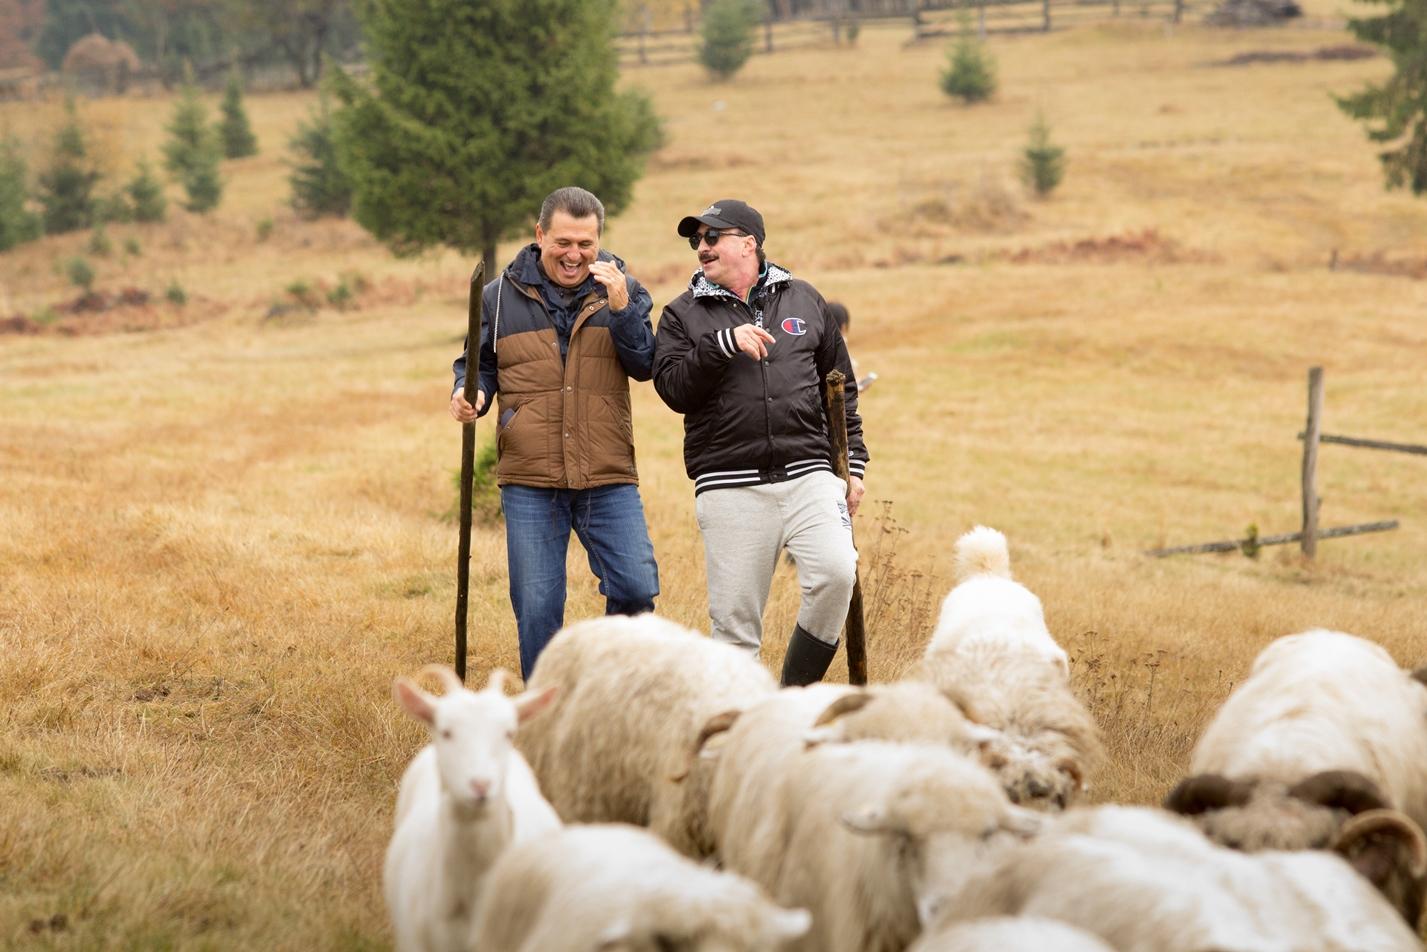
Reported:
(1009, 934)
(634, 692)
(1144, 880)
(617, 887)
(860, 833)
(1325, 727)
(464, 798)
(993, 656)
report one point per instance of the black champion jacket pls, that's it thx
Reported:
(748, 421)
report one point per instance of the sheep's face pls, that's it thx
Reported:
(473, 735)
(1272, 820)
(1041, 773)
(942, 829)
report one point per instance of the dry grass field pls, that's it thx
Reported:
(221, 538)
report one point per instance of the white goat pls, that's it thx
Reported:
(1325, 727)
(1009, 934)
(634, 692)
(993, 656)
(463, 799)
(1146, 881)
(616, 887)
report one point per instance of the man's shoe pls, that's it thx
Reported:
(807, 659)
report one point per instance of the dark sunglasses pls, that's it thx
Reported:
(712, 236)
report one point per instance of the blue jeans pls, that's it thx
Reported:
(610, 523)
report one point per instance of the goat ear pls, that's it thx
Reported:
(531, 703)
(1205, 792)
(413, 700)
(869, 820)
(1379, 841)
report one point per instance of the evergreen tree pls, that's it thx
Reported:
(66, 188)
(727, 34)
(970, 73)
(319, 186)
(17, 223)
(192, 152)
(473, 113)
(237, 133)
(1399, 104)
(1042, 164)
(146, 193)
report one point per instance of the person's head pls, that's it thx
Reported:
(838, 310)
(568, 233)
(728, 238)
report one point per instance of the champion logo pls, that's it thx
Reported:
(795, 326)
(713, 210)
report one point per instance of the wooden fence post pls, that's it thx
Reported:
(1311, 433)
(1045, 14)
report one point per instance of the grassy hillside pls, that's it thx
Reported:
(224, 536)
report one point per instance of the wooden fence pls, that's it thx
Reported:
(1307, 537)
(644, 46)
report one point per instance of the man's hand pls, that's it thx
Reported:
(752, 340)
(461, 409)
(854, 494)
(606, 273)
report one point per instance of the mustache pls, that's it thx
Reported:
(705, 259)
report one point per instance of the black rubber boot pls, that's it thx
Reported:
(807, 659)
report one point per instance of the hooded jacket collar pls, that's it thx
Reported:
(772, 276)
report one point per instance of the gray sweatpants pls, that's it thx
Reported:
(746, 527)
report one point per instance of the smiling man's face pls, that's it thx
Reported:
(567, 249)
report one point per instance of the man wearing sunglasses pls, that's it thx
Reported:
(563, 329)
(742, 354)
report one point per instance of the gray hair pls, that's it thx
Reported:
(573, 201)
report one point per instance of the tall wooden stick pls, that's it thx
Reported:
(854, 632)
(1311, 432)
(468, 467)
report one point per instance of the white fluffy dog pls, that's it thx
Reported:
(992, 655)
(988, 605)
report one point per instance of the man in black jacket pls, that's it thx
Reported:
(742, 355)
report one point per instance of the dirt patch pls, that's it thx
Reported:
(1143, 246)
(1322, 54)
(99, 312)
(1380, 263)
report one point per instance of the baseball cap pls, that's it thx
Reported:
(726, 213)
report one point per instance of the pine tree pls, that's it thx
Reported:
(66, 188)
(319, 186)
(146, 193)
(192, 152)
(970, 73)
(473, 113)
(237, 133)
(17, 223)
(727, 33)
(1399, 104)
(1042, 164)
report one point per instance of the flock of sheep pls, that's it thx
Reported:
(709, 811)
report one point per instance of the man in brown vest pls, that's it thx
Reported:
(563, 330)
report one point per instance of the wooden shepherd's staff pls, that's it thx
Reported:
(854, 634)
(468, 468)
